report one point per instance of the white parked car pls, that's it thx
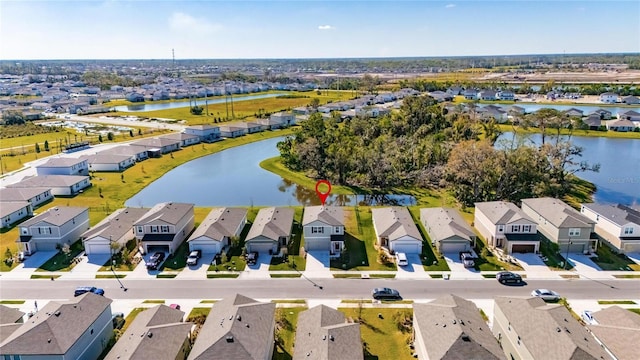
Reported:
(546, 295)
(588, 318)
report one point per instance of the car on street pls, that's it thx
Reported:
(386, 294)
(155, 260)
(252, 258)
(85, 289)
(192, 260)
(546, 295)
(507, 277)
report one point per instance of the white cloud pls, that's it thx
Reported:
(326, 27)
(449, 6)
(184, 22)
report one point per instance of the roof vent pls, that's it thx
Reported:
(324, 337)
(567, 330)
(238, 317)
(57, 313)
(454, 321)
(247, 324)
(231, 317)
(149, 334)
(331, 338)
(465, 337)
(461, 322)
(49, 341)
(558, 329)
(229, 339)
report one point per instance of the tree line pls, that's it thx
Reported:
(425, 146)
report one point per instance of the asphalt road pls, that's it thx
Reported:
(315, 289)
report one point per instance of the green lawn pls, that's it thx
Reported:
(296, 262)
(430, 260)
(153, 302)
(616, 302)
(111, 276)
(277, 276)
(289, 301)
(608, 260)
(586, 133)
(37, 276)
(178, 260)
(129, 319)
(286, 324)
(637, 311)
(62, 261)
(15, 302)
(383, 337)
(222, 276)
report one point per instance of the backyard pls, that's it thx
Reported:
(286, 324)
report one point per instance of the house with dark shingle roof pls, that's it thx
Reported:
(270, 230)
(238, 328)
(60, 185)
(529, 328)
(58, 225)
(14, 211)
(9, 315)
(116, 228)
(215, 232)
(506, 226)
(164, 227)
(323, 229)
(451, 327)
(78, 329)
(618, 331)
(395, 230)
(35, 196)
(448, 230)
(324, 334)
(618, 225)
(157, 333)
(562, 224)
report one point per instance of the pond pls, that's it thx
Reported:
(587, 109)
(233, 177)
(179, 104)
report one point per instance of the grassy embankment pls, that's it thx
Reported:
(586, 133)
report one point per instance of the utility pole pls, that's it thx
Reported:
(226, 100)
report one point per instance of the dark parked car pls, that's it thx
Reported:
(85, 289)
(467, 259)
(155, 260)
(385, 293)
(252, 258)
(507, 277)
(192, 260)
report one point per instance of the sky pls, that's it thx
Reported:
(230, 29)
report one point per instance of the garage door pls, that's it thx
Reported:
(154, 248)
(209, 247)
(453, 247)
(632, 248)
(573, 248)
(260, 247)
(407, 248)
(96, 249)
(523, 248)
(316, 244)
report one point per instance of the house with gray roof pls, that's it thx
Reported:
(207, 133)
(618, 225)
(618, 331)
(232, 131)
(451, 327)
(622, 125)
(112, 233)
(34, 196)
(184, 138)
(215, 232)
(14, 211)
(395, 230)
(138, 153)
(323, 229)
(78, 329)
(250, 127)
(238, 328)
(505, 226)
(60, 185)
(64, 166)
(271, 230)
(58, 225)
(593, 121)
(157, 333)
(562, 224)
(631, 100)
(157, 145)
(529, 328)
(448, 231)
(10, 315)
(278, 120)
(324, 334)
(109, 162)
(164, 227)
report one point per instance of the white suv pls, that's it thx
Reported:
(401, 259)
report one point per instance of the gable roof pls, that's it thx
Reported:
(619, 331)
(330, 215)
(237, 328)
(19, 194)
(115, 225)
(549, 329)
(156, 333)
(56, 216)
(272, 222)
(124, 150)
(323, 334)
(557, 212)
(9, 207)
(618, 214)
(168, 212)
(56, 327)
(502, 212)
(155, 142)
(101, 158)
(9, 315)
(443, 223)
(452, 327)
(394, 222)
(220, 223)
(61, 162)
(49, 181)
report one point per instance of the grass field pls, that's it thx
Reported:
(286, 325)
(585, 133)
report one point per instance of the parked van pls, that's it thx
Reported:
(401, 259)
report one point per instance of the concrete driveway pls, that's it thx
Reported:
(458, 271)
(260, 270)
(535, 267)
(141, 271)
(200, 270)
(583, 264)
(634, 256)
(318, 265)
(414, 270)
(25, 269)
(87, 268)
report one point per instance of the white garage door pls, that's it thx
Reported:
(407, 248)
(317, 244)
(452, 247)
(96, 249)
(261, 247)
(205, 247)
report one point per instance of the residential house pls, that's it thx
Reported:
(14, 211)
(631, 100)
(34, 196)
(207, 133)
(609, 98)
(507, 95)
(58, 225)
(60, 185)
(441, 96)
(620, 125)
(164, 227)
(78, 329)
(137, 153)
(529, 328)
(63, 166)
(159, 145)
(111, 234)
(184, 138)
(516, 110)
(617, 330)
(631, 115)
(396, 231)
(323, 229)
(324, 334)
(488, 95)
(250, 127)
(487, 113)
(618, 225)
(238, 328)
(593, 121)
(215, 232)
(10, 315)
(448, 231)
(157, 333)
(109, 162)
(505, 226)
(271, 123)
(135, 97)
(470, 94)
(451, 327)
(271, 230)
(562, 224)
(603, 113)
(573, 112)
(229, 131)
(286, 119)
(455, 90)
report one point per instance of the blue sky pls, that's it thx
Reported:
(112, 29)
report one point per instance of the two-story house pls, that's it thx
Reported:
(111, 234)
(618, 225)
(609, 98)
(396, 231)
(64, 166)
(507, 227)
(323, 229)
(184, 138)
(618, 330)
(215, 232)
(207, 133)
(58, 225)
(562, 224)
(271, 230)
(448, 230)
(164, 227)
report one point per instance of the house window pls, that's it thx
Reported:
(336, 229)
(574, 232)
(317, 230)
(500, 228)
(154, 229)
(164, 229)
(139, 229)
(526, 228)
(515, 228)
(628, 230)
